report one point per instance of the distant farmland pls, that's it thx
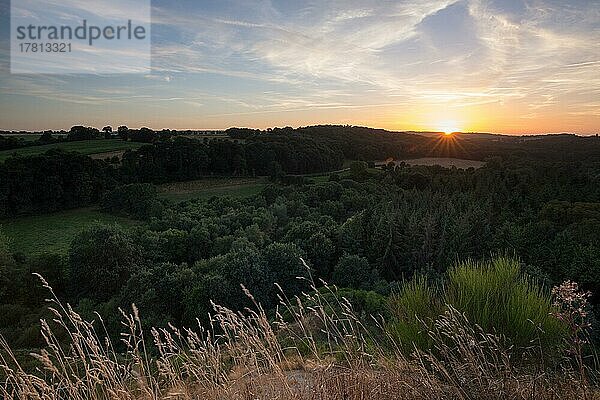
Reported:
(445, 162)
(54, 232)
(442, 162)
(206, 188)
(88, 147)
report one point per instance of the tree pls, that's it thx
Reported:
(353, 271)
(144, 135)
(358, 169)
(221, 277)
(321, 251)
(101, 260)
(82, 133)
(139, 200)
(7, 266)
(107, 132)
(275, 171)
(46, 138)
(284, 261)
(123, 132)
(53, 268)
(158, 293)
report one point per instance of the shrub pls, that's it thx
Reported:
(498, 297)
(139, 200)
(101, 260)
(493, 295)
(414, 308)
(353, 271)
(358, 169)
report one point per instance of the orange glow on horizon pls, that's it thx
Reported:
(448, 127)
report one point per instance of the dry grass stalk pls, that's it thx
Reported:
(319, 350)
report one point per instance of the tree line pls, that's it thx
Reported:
(368, 233)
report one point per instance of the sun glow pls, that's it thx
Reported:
(448, 127)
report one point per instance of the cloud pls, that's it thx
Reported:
(536, 57)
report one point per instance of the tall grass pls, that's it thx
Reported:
(499, 298)
(492, 294)
(245, 355)
(413, 309)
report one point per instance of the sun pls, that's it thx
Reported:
(448, 127)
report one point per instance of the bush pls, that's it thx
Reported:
(493, 295)
(353, 271)
(497, 297)
(139, 200)
(101, 260)
(358, 169)
(7, 269)
(414, 308)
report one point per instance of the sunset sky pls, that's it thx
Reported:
(507, 66)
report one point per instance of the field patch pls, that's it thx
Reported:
(87, 147)
(207, 188)
(445, 162)
(30, 137)
(54, 232)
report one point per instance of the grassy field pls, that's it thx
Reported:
(29, 137)
(53, 232)
(88, 147)
(445, 162)
(206, 188)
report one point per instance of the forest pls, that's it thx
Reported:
(403, 243)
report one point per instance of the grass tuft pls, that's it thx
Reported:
(246, 355)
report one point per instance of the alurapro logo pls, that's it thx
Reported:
(77, 36)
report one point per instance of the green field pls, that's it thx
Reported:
(206, 188)
(30, 137)
(87, 147)
(53, 232)
(445, 162)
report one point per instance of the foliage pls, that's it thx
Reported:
(51, 182)
(414, 309)
(82, 133)
(101, 260)
(137, 200)
(494, 295)
(7, 263)
(327, 351)
(87, 147)
(32, 235)
(498, 298)
(354, 271)
(367, 232)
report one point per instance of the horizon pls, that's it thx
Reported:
(115, 126)
(475, 66)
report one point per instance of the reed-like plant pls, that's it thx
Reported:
(246, 355)
(496, 296)
(414, 309)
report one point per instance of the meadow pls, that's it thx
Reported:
(27, 136)
(446, 162)
(87, 147)
(206, 188)
(54, 232)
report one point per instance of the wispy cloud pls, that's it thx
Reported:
(490, 60)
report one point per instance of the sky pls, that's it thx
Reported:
(503, 66)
